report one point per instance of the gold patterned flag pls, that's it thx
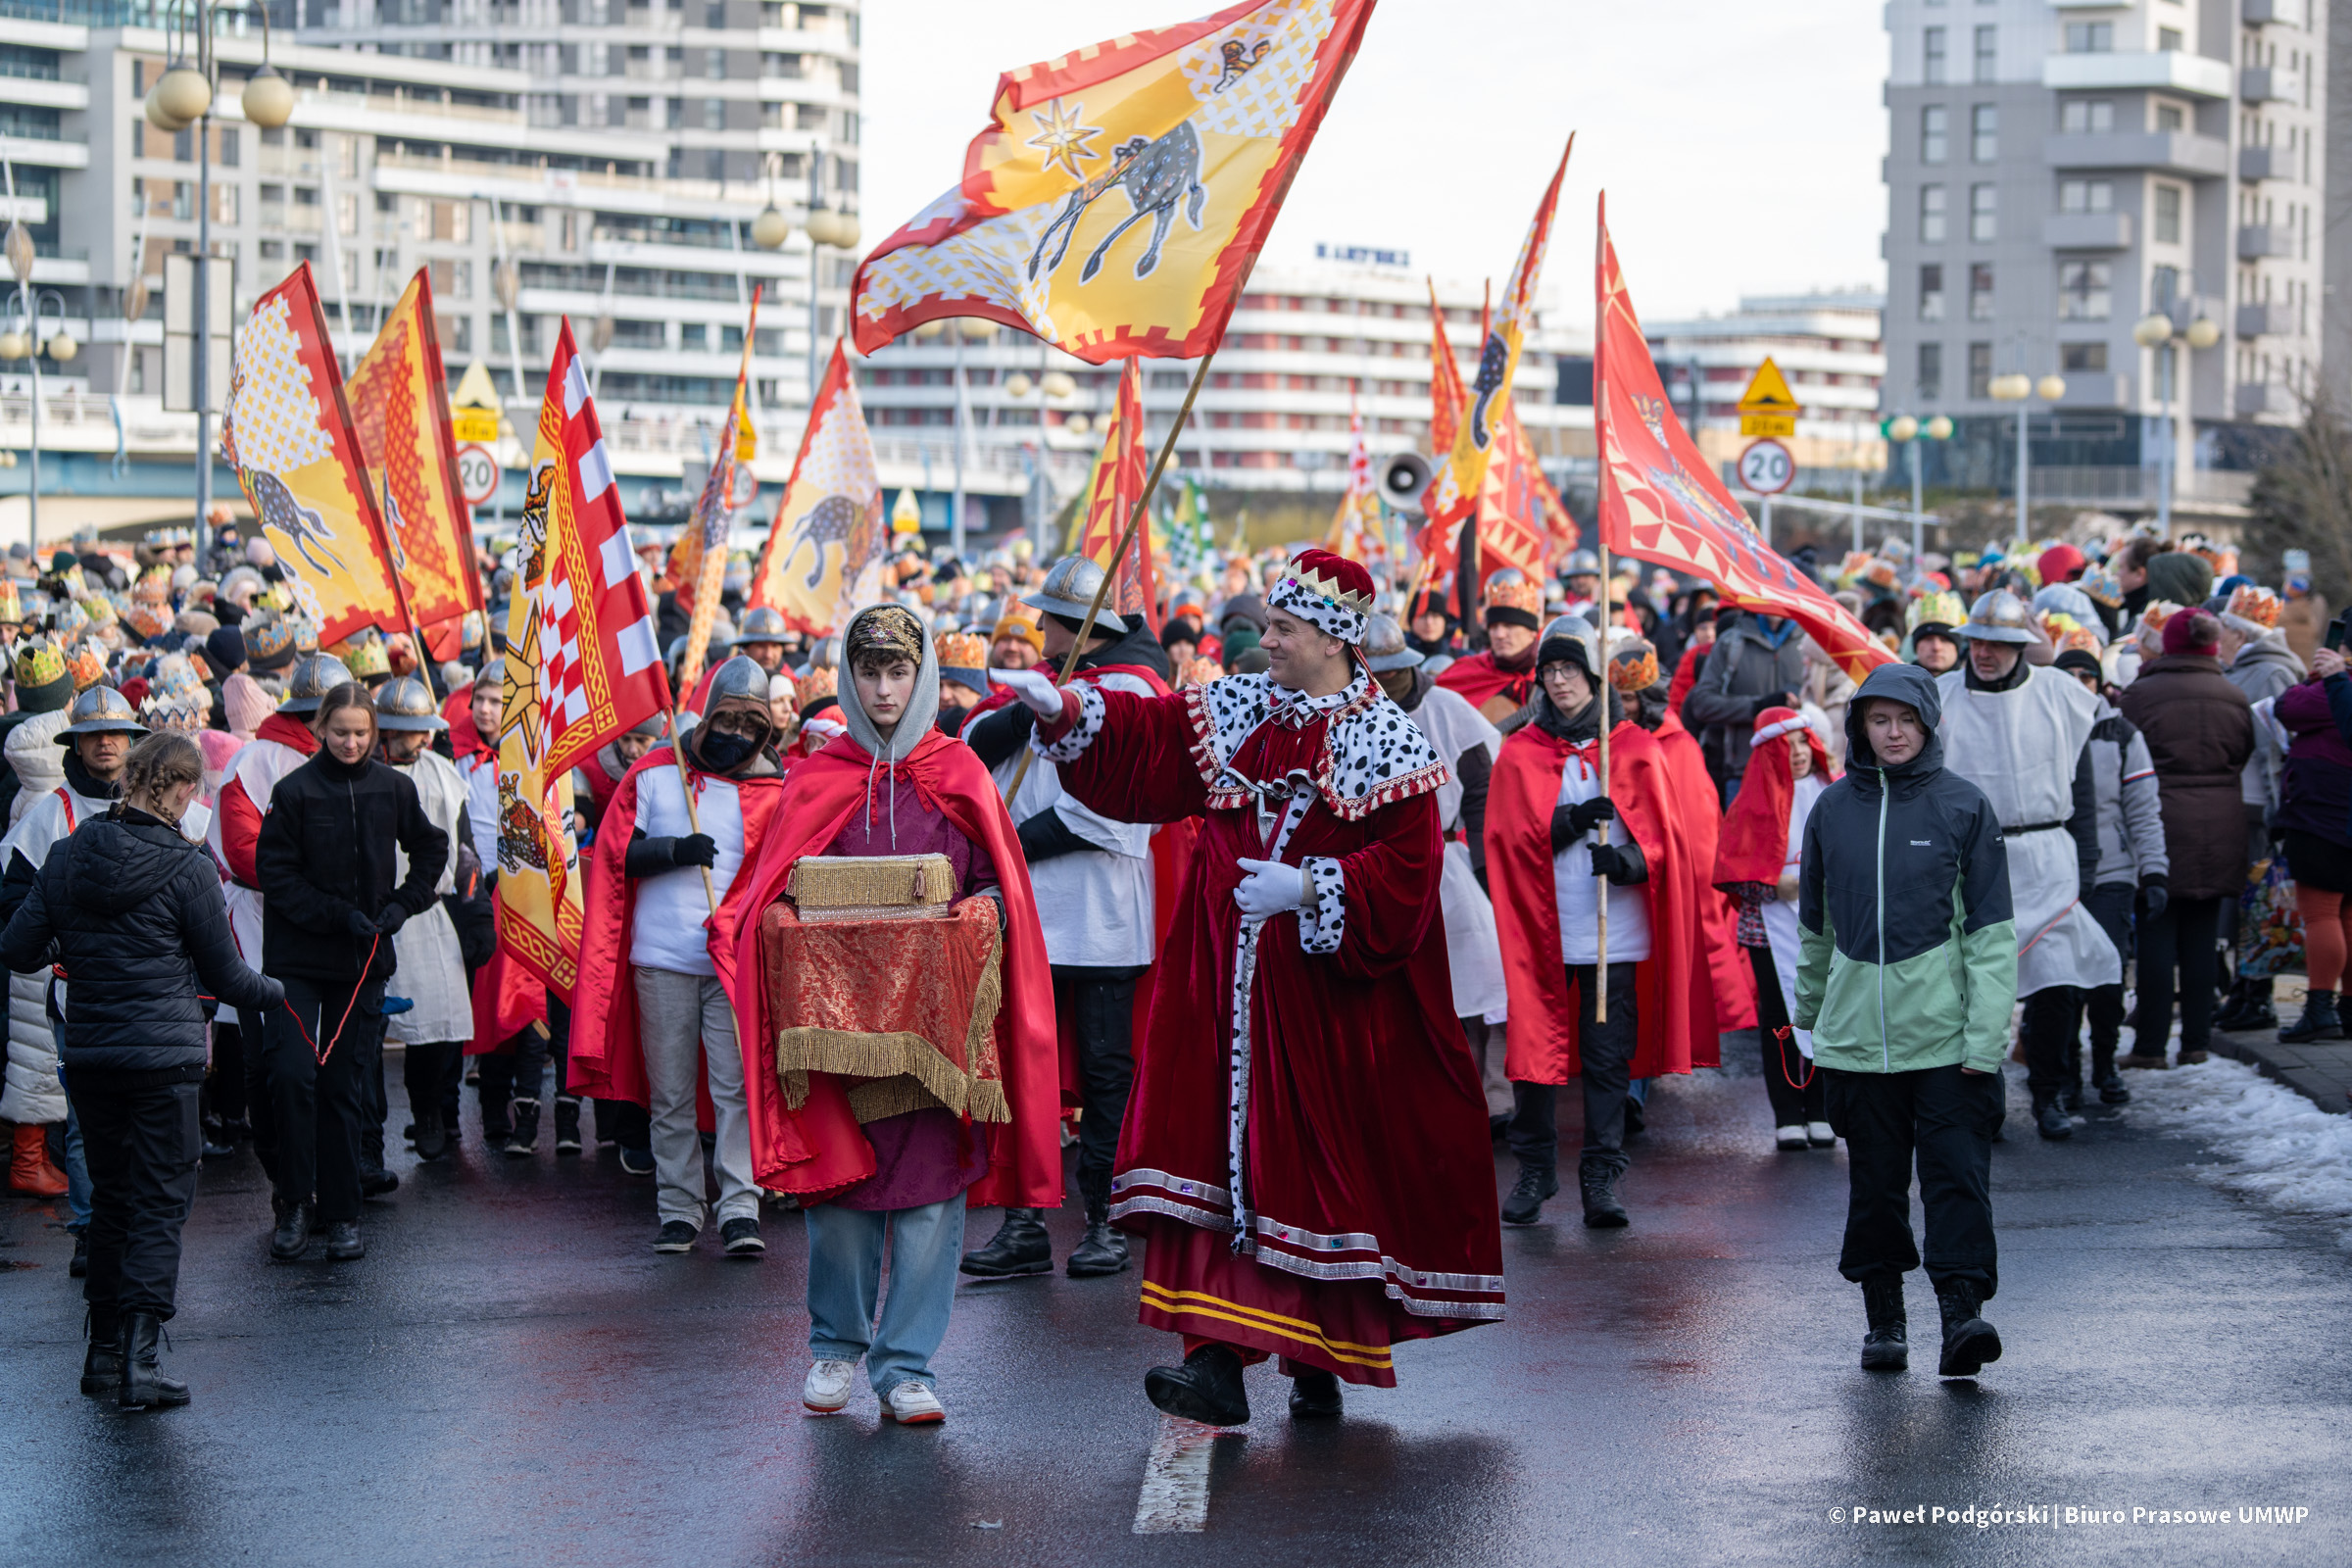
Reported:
(1119, 194)
(823, 555)
(1112, 490)
(288, 434)
(706, 561)
(400, 408)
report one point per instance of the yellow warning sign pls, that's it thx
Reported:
(1768, 408)
(473, 405)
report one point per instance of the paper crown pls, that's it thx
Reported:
(2256, 604)
(184, 714)
(88, 665)
(148, 620)
(1521, 595)
(1334, 577)
(818, 682)
(1634, 668)
(363, 654)
(174, 676)
(40, 663)
(1936, 610)
(267, 636)
(960, 649)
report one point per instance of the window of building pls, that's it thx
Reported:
(2081, 357)
(1988, 55)
(1931, 51)
(1934, 123)
(1984, 205)
(2086, 291)
(2164, 287)
(1984, 134)
(2168, 39)
(2170, 117)
(1931, 372)
(1931, 215)
(2087, 117)
(1980, 291)
(2089, 37)
(715, 64)
(2168, 215)
(714, 114)
(1930, 292)
(2085, 195)
(1980, 369)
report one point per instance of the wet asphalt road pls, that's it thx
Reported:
(511, 1376)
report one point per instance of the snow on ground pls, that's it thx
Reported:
(2273, 1143)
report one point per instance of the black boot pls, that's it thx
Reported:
(2050, 1118)
(102, 1363)
(375, 1180)
(1968, 1342)
(526, 1136)
(143, 1384)
(1314, 1395)
(1206, 1389)
(2104, 1078)
(343, 1241)
(1019, 1247)
(1602, 1210)
(1887, 1347)
(567, 1125)
(78, 1266)
(433, 1139)
(2320, 1020)
(1103, 1252)
(1525, 1205)
(293, 1233)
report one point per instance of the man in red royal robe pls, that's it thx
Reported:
(1498, 681)
(1305, 1151)
(1560, 839)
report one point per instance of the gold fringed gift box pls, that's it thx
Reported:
(892, 887)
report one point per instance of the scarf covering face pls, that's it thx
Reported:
(888, 631)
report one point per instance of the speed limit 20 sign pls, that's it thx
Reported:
(477, 474)
(1767, 469)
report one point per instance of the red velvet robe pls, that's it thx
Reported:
(1481, 680)
(1734, 977)
(1674, 989)
(819, 1150)
(1368, 1160)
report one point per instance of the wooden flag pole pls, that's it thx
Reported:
(1135, 517)
(1600, 830)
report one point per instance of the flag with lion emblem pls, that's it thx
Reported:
(1119, 194)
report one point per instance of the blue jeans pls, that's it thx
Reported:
(77, 1167)
(844, 1277)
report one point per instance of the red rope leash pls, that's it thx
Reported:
(1782, 1033)
(336, 1038)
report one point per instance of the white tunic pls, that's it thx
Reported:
(430, 967)
(1095, 909)
(667, 926)
(32, 1094)
(1577, 889)
(1472, 949)
(1779, 915)
(2020, 746)
(256, 767)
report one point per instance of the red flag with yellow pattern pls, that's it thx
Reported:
(1112, 490)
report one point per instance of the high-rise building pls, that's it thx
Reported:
(2059, 172)
(1826, 347)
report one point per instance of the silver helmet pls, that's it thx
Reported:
(1385, 647)
(1570, 638)
(1070, 592)
(760, 624)
(1582, 563)
(1999, 617)
(494, 673)
(739, 676)
(315, 675)
(407, 703)
(100, 710)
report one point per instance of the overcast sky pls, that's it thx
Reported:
(1740, 143)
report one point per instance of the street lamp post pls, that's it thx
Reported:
(29, 344)
(2019, 388)
(1910, 431)
(2165, 333)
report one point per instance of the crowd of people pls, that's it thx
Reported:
(1200, 864)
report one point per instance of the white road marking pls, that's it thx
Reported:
(1175, 1493)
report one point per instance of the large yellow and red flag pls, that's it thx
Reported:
(1112, 492)
(400, 408)
(1517, 524)
(1663, 503)
(583, 664)
(288, 433)
(1446, 395)
(705, 561)
(823, 555)
(1119, 195)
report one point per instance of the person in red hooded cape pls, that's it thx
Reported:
(1498, 680)
(1555, 838)
(1756, 864)
(884, 1154)
(1305, 1151)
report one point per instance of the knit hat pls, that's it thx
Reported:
(2180, 577)
(2080, 661)
(2191, 631)
(246, 704)
(2060, 563)
(224, 650)
(1019, 620)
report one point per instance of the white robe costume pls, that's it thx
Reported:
(1472, 948)
(431, 968)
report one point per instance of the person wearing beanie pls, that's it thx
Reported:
(1181, 638)
(2200, 735)
(1498, 681)
(1016, 643)
(2181, 577)
(2061, 563)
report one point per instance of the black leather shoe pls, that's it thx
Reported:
(1206, 1389)
(375, 1182)
(1525, 1204)
(1887, 1346)
(1019, 1247)
(143, 1385)
(1314, 1396)
(1968, 1342)
(1602, 1210)
(432, 1137)
(2052, 1121)
(102, 1363)
(343, 1241)
(1102, 1251)
(293, 1233)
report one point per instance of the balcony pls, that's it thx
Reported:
(2170, 69)
(2268, 84)
(2138, 486)
(2256, 398)
(2262, 163)
(2098, 389)
(2265, 320)
(2087, 231)
(2262, 12)
(2171, 152)
(2256, 241)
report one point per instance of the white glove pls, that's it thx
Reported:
(1034, 687)
(1269, 889)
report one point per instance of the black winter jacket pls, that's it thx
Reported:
(134, 913)
(325, 850)
(1743, 675)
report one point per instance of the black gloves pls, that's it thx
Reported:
(1621, 863)
(652, 856)
(1774, 700)
(1572, 822)
(1046, 836)
(695, 848)
(392, 920)
(2154, 895)
(359, 925)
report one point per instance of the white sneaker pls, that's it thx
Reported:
(913, 1404)
(1790, 1136)
(828, 1387)
(1821, 1134)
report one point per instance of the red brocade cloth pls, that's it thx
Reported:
(1367, 1158)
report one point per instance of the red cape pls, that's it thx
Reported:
(1675, 991)
(607, 1058)
(1479, 678)
(819, 1150)
(1754, 843)
(1734, 977)
(1685, 676)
